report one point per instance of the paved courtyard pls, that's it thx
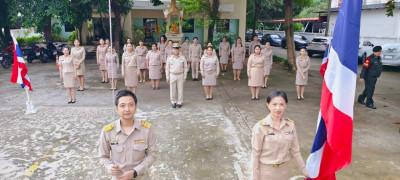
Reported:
(202, 140)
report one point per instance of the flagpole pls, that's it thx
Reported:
(112, 66)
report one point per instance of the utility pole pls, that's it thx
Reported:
(328, 18)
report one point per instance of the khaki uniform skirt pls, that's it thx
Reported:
(69, 79)
(131, 79)
(257, 77)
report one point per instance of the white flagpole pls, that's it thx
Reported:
(30, 109)
(112, 65)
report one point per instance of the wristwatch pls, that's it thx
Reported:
(134, 173)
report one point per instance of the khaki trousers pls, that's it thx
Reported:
(176, 88)
(195, 68)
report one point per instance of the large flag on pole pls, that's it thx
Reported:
(20, 71)
(333, 141)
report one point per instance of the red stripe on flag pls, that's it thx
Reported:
(339, 126)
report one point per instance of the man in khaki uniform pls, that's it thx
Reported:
(176, 71)
(194, 56)
(131, 143)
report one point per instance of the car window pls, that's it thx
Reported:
(297, 37)
(303, 38)
(391, 47)
(319, 40)
(274, 36)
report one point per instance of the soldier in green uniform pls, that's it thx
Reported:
(130, 142)
(370, 72)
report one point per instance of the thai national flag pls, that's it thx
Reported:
(20, 72)
(333, 141)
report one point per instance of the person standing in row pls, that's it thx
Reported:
(112, 64)
(176, 71)
(209, 68)
(141, 51)
(256, 71)
(253, 44)
(267, 52)
(185, 47)
(68, 74)
(194, 56)
(302, 64)
(168, 49)
(238, 55)
(108, 43)
(127, 146)
(161, 47)
(205, 50)
(274, 141)
(78, 53)
(371, 70)
(129, 68)
(128, 41)
(224, 49)
(154, 64)
(101, 57)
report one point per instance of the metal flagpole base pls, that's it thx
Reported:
(30, 109)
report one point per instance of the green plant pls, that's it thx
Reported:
(29, 40)
(298, 27)
(230, 37)
(123, 36)
(72, 37)
(282, 61)
(137, 35)
(90, 29)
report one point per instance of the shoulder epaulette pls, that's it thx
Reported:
(261, 122)
(289, 120)
(145, 124)
(109, 127)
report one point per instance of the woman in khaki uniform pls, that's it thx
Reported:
(128, 41)
(112, 64)
(168, 49)
(107, 42)
(209, 69)
(78, 53)
(141, 51)
(302, 64)
(224, 49)
(256, 71)
(161, 47)
(274, 142)
(238, 55)
(185, 47)
(154, 64)
(268, 57)
(101, 57)
(68, 74)
(214, 53)
(253, 44)
(129, 68)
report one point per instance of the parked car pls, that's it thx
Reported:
(249, 34)
(391, 55)
(300, 42)
(317, 46)
(364, 50)
(30, 52)
(273, 39)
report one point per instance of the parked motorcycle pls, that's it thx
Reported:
(49, 53)
(6, 59)
(31, 52)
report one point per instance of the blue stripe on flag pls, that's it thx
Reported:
(18, 50)
(347, 34)
(320, 137)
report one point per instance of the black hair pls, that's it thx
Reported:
(257, 46)
(165, 38)
(170, 41)
(154, 44)
(196, 38)
(275, 94)
(254, 36)
(123, 93)
(187, 38)
(225, 37)
(240, 42)
(65, 47)
(129, 39)
(141, 40)
(101, 39)
(209, 47)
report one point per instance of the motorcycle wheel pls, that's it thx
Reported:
(30, 59)
(5, 63)
(43, 59)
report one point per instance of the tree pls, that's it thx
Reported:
(77, 16)
(208, 9)
(289, 29)
(5, 21)
(264, 8)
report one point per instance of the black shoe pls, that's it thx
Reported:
(193, 79)
(179, 105)
(78, 90)
(371, 106)
(211, 98)
(257, 99)
(207, 99)
(72, 102)
(253, 99)
(361, 102)
(69, 102)
(174, 105)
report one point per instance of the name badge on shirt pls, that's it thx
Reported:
(139, 141)
(114, 141)
(289, 132)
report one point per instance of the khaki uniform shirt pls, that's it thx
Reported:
(141, 51)
(135, 151)
(154, 58)
(129, 61)
(66, 63)
(195, 52)
(274, 146)
(176, 66)
(185, 46)
(78, 54)
(252, 45)
(101, 53)
(302, 63)
(269, 56)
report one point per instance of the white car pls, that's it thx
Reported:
(391, 55)
(318, 45)
(364, 50)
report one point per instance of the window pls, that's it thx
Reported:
(188, 26)
(223, 25)
(69, 27)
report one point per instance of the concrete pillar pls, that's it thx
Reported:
(242, 19)
(84, 32)
(128, 24)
